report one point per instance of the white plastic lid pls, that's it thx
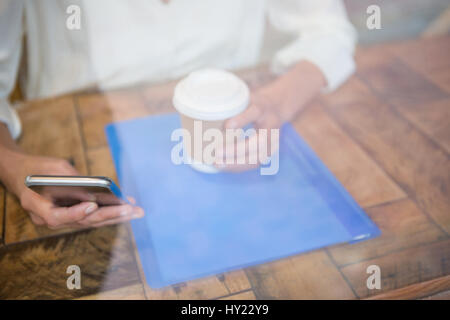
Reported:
(211, 94)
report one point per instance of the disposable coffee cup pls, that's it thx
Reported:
(205, 99)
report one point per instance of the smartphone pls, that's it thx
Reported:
(66, 191)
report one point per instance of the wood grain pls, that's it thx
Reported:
(439, 296)
(133, 292)
(96, 110)
(247, 295)
(394, 80)
(215, 286)
(429, 289)
(428, 57)
(50, 128)
(402, 226)
(205, 288)
(100, 163)
(307, 276)
(37, 269)
(19, 227)
(403, 268)
(432, 118)
(441, 78)
(360, 175)
(419, 167)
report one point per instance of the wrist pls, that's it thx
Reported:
(292, 91)
(11, 162)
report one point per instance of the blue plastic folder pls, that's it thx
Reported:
(199, 224)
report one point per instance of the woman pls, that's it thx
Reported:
(119, 43)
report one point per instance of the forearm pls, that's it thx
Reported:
(10, 158)
(295, 89)
(6, 141)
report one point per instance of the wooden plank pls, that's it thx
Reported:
(133, 292)
(37, 269)
(50, 128)
(100, 163)
(19, 226)
(429, 57)
(420, 167)
(235, 281)
(402, 225)
(441, 78)
(427, 289)
(401, 269)
(247, 295)
(204, 288)
(393, 80)
(439, 296)
(432, 118)
(307, 276)
(96, 110)
(215, 286)
(412, 67)
(424, 55)
(359, 174)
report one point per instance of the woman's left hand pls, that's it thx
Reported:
(270, 107)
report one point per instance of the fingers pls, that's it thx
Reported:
(247, 158)
(139, 213)
(112, 212)
(43, 211)
(249, 153)
(239, 152)
(251, 114)
(69, 215)
(85, 214)
(52, 215)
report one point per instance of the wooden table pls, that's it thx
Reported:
(385, 134)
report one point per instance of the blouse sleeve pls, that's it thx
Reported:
(324, 36)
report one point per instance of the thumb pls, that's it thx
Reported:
(251, 114)
(68, 215)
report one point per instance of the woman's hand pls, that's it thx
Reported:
(270, 107)
(15, 166)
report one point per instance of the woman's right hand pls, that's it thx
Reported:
(15, 166)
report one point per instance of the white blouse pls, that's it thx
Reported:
(125, 42)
